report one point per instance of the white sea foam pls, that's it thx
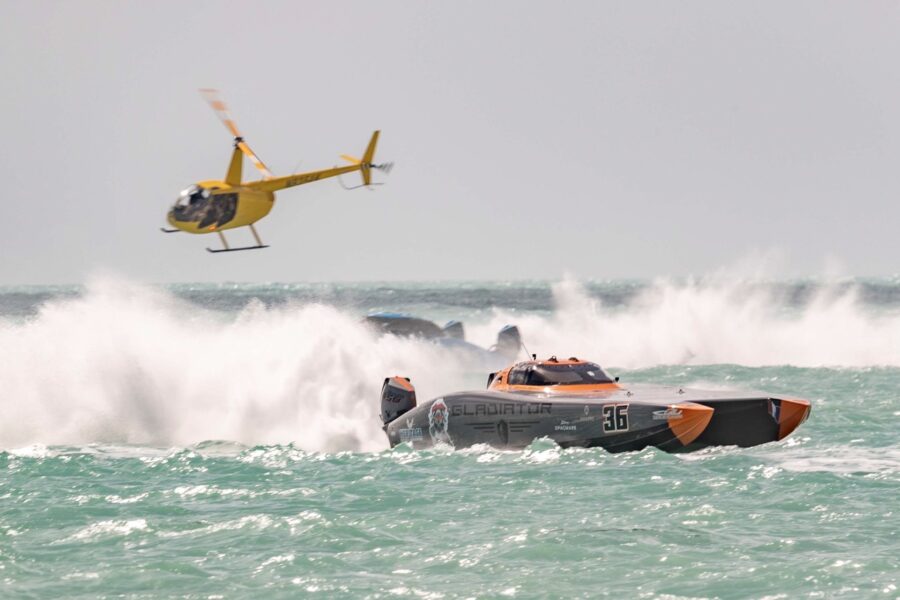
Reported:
(126, 363)
(843, 460)
(111, 528)
(32, 451)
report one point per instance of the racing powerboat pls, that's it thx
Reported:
(575, 403)
(452, 336)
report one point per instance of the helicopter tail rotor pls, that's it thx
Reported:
(366, 166)
(384, 167)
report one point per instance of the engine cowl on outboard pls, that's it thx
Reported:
(398, 396)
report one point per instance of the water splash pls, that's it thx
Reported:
(126, 363)
(709, 321)
(131, 364)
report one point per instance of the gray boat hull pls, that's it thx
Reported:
(620, 420)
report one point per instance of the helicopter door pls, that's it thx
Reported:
(220, 210)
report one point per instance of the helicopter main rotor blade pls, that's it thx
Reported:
(215, 102)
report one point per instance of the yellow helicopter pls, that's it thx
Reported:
(214, 206)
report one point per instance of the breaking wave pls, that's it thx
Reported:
(135, 364)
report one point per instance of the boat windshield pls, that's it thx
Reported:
(564, 374)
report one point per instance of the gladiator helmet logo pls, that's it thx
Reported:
(438, 420)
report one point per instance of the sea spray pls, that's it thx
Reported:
(711, 321)
(132, 364)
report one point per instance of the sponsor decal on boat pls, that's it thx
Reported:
(500, 408)
(411, 434)
(565, 426)
(665, 415)
(438, 421)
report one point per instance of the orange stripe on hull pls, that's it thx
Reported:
(793, 413)
(692, 421)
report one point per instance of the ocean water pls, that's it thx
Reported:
(223, 441)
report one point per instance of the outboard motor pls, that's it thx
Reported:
(454, 329)
(397, 397)
(508, 341)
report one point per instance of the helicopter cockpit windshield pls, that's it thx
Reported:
(191, 196)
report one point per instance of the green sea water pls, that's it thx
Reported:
(224, 443)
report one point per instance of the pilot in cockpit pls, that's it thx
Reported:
(190, 200)
(192, 195)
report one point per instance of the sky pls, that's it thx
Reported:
(530, 139)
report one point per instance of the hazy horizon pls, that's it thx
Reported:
(531, 141)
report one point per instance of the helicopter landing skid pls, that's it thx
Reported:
(259, 245)
(236, 249)
(164, 230)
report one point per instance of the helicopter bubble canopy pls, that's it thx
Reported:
(192, 195)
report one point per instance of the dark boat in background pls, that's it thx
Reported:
(451, 336)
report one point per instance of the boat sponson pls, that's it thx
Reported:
(749, 422)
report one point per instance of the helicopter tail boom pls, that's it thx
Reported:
(364, 166)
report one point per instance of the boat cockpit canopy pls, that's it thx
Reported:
(581, 373)
(192, 195)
